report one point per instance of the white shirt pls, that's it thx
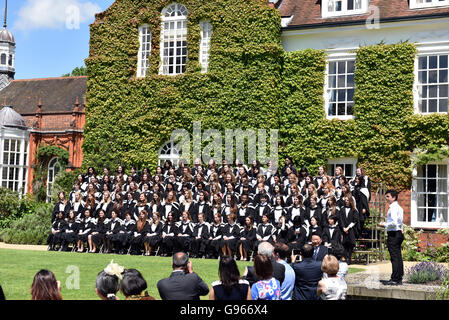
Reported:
(395, 216)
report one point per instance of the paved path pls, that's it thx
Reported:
(22, 247)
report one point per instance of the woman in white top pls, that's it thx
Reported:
(332, 287)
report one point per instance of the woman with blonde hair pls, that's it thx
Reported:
(331, 287)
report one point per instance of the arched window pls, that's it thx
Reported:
(174, 39)
(3, 59)
(144, 51)
(206, 33)
(53, 168)
(169, 152)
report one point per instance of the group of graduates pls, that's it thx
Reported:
(209, 211)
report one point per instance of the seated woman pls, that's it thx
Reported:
(247, 238)
(185, 233)
(87, 225)
(57, 229)
(142, 228)
(70, 232)
(153, 238)
(200, 236)
(298, 234)
(129, 226)
(215, 241)
(97, 237)
(231, 235)
(265, 231)
(229, 287)
(169, 232)
(114, 234)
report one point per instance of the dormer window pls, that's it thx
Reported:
(337, 8)
(418, 4)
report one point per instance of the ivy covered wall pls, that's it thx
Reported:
(251, 83)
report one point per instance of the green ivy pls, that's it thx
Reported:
(252, 83)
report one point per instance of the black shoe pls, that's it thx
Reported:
(385, 281)
(392, 283)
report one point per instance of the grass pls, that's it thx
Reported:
(18, 267)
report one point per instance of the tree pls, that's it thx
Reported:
(78, 71)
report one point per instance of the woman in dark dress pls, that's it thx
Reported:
(57, 229)
(142, 228)
(314, 228)
(153, 238)
(229, 287)
(70, 231)
(87, 226)
(247, 238)
(97, 237)
(200, 236)
(169, 232)
(349, 218)
(231, 235)
(115, 234)
(216, 237)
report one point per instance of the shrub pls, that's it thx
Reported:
(410, 249)
(13, 206)
(425, 272)
(443, 291)
(32, 228)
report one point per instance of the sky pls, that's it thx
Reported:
(52, 36)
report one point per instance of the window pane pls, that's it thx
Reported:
(443, 61)
(422, 62)
(433, 105)
(443, 105)
(332, 67)
(433, 62)
(442, 216)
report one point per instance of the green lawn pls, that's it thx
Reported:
(18, 267)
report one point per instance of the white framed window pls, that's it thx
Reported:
(174, 40)
(144, 50)
(417, 4)
(432, 84)
(339, 87)
(206, 34)
(53, 169)
(349, 166)
(14, 164)
(429, 205)
(169, 152)
(337, 8)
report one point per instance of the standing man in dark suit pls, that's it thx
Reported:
(307, 275)
(266, 249)
(183, 283)
(319, 250)
(393, 225)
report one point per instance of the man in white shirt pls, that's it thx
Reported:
(393, 226)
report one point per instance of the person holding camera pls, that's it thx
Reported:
(183, 283)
